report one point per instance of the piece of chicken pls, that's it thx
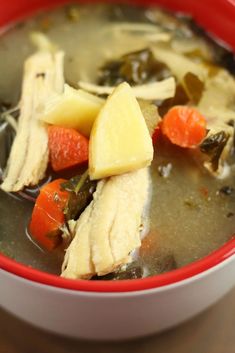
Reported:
(110, 227)
(43, 76)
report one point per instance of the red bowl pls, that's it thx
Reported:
(220, 23)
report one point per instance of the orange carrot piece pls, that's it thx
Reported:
(184, 126)
(67, 147)
(48, 217)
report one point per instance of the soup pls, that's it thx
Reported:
(181, 197)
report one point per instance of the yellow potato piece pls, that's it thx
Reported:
(120, 141)
(73, 108)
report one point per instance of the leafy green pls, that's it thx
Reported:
(226, 190)
(81, 189)
(213, 146)
(193, 87)
(135, 68)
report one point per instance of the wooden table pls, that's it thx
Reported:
(211, 332)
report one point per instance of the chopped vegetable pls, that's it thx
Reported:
(193, 87)
(68, 148)
(135, 68)
(81, 189)
(184, 126)
(120, 141)
(213, 146)
(149, 91)
(48, 215)
(226, 190)
(73, 108)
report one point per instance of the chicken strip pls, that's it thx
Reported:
(109, 229)
(43, 76)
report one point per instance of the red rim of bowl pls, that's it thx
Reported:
(188, 271)
(223, 10)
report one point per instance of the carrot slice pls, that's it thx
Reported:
(48, 217)
(184, 126)
(67, 147)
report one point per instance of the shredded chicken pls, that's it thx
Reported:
(43, 75)
(109, 229)
(179, 65)
(218, 106)
(150, 91)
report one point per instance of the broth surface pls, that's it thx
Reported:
(189, 217)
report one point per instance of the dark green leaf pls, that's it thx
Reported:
(226, 190)
(193, 87)
(81, 189)
(213, 146)
(135, 68)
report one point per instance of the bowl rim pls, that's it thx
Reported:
(188, 271)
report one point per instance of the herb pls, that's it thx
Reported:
(213, 146)
(81, 189)
(136, 68)
(193, 87)
(226, 190)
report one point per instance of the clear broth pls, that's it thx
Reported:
(189, 217)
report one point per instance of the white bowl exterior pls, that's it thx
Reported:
(114, 316)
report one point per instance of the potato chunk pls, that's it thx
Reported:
(120, 141)
(73, 109)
